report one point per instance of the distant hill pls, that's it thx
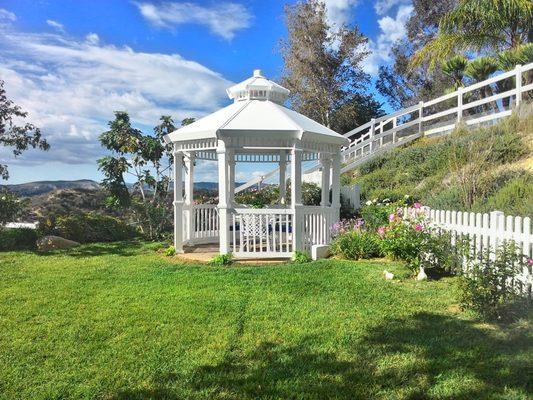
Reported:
(31, 189)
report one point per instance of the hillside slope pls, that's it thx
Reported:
(480, 170)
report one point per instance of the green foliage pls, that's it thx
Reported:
(149, 160)
(509, 59)
(19, 137)
(11, 206)
(221, 260)
(376, 213)
(515, 196)
(17, 239)
(461, 171)
(481, 68)
(301, 257)
(87, 228)
(170, 251)
(487, 284)
(356, 244)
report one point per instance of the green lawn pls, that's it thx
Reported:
(122, 322)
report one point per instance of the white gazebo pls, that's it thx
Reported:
(256, 128)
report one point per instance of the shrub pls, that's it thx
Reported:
(11, 206)
(221, 260)
(88, 228)
(376, 213)
(356, 244)
(301, 257)
(515, 197)
(17, 239)
(170, 251)
(486, 285)
(410, 238)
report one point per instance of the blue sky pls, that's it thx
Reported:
(71, 63)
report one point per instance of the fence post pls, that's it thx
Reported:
(459, 104)
(372, 132)
(394, 125)
(518, 81)
(420, 115)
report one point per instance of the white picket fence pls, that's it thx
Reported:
(487, 232)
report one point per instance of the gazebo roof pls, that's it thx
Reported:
(257, 111)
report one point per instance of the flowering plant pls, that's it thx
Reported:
(409, 237)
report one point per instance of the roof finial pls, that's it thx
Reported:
(257, 73)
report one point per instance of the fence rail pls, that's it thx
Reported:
(487, 232)
(439, 115)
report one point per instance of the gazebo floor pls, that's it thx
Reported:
(203, 253)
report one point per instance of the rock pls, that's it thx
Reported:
(51, 242)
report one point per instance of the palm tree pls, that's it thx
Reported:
(455, 69)
(479, 70)
(507, 60)
(480, 26)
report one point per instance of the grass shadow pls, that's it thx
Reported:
(425, 355)
(124, 249)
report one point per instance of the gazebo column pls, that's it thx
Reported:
(189, 196)
(336, 186)
(296, 198)
(325, 162)
(223, 197)
(178, 201)
(282, 177)
(231, 176)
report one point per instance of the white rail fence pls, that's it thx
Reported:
(480, 103)
(483, 102)
(487, 232)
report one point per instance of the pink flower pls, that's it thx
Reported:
(417, 205)
(418, 227)
(530, 262)
(381, 231)
(392, 217)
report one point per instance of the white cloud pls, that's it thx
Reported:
(92, 38)
(339, 12)
(382, 7)
(71, 88)
(223, 19)
(7, 15)
(56, 25)
(391, 30)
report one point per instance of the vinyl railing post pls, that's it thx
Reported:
(518, 80)
(459, 105)
(420, 115)
(372, 133)
(394, 125)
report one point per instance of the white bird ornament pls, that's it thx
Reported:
(421, 275)
(388, 275)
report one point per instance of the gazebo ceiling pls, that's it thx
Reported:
(257, 114)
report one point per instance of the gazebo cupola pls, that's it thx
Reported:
(256, 128)
(258, 88)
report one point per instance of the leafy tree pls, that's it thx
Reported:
(480, 26)
(402, 84)
(18, 137)
(147, 159)
(323, 68)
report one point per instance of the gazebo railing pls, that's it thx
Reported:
(317, 222)
(204, 224)
(261, 232)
